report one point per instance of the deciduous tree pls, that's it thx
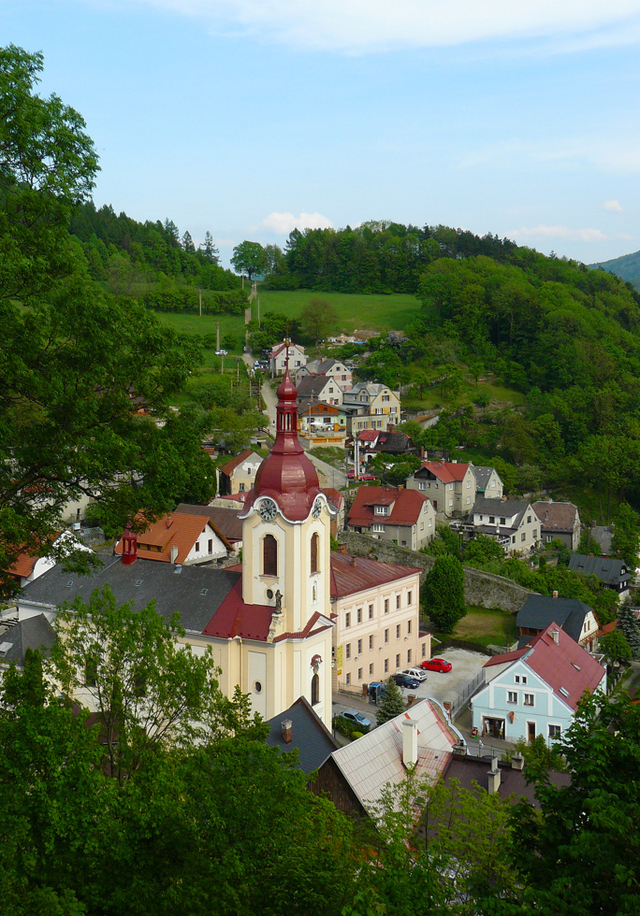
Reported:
(444, 593)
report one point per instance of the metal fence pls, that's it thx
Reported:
(462, 699)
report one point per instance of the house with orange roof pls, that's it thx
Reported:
(536, 690)
(450, 485)
(179, 538)
(238, 475)
(404, 517)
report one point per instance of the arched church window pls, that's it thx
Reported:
(269, 556)
(315, 547)
(315, 689)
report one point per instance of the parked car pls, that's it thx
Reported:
(356, 718)
(436, 664)
(416, 673)
(222, 352)
(363, 476)
(403, 680)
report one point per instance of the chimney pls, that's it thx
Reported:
(129, 547)
(287, 730)
(343, 549)
(555, 634)
(555, 594)
(169, 521)
(354, 561)
(493, 777)
(409, 743)
(174, 553)
(517, 762)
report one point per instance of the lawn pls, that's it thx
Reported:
(487, 627)
(206, 324)
(357, 312)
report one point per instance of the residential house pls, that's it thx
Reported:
(559, 521)
(238, 475)
(225, 522)
(31, 564)
(332, 368)
(488, 482)
(177, 538)
(370, 405)
(404, 517)
(385, 442)
(299, 728)
(575, 617)
(510, 521)
(16, 636)
(419, 740)
(283, 353)
(375, 608)
(450, 485)
(613, 573)
(319, 388)
(320, 423)
(536, 690)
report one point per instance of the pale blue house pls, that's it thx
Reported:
(535, 690)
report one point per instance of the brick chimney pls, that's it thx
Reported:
(409, 742)
(287, 730)
(169, 521)
(129, 547)
(343, 549)
(493, 777)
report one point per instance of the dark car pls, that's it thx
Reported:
(436, 664)
(403, 680)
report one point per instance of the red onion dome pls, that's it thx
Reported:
(287, 475)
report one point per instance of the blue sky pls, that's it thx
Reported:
(251, 117)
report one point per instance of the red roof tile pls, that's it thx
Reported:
(230, 466)
(235, 618)
(179, 530)
(407, 505)
(447, 471)
(348, 576)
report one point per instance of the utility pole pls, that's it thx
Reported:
(217, 335)
(200, 301)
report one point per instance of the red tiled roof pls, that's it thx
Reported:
(368, 435)
(555, 516)
(446, 471)
(407, 505)
(335, 497)
(230, 466)
(235, 618)
(179, 530)
(505, 657)
(348, 576)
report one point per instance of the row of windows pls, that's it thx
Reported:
(527, 698)
(359, 672)
(347, 648)
(371, 611)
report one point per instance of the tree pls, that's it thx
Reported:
(626, 535)
(391, 703)
(579, 853)
(630, 628)
(317, 319)
(616, 650)
(71, 357)
(249, 258)
(208, 249)
(149, 692)
(444, 593)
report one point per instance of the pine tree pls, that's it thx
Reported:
(629, 627)
(391, 703)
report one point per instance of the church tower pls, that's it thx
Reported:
(286, 558)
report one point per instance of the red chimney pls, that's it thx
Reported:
(287, 730)
(129, 547)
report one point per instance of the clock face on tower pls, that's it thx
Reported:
(317, 509)
(268, 510)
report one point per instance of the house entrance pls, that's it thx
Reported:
(492, 728)
(531, 731)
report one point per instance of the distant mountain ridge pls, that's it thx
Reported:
(627, 268)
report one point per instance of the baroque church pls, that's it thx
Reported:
(272, 622)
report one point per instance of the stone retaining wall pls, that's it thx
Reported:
(480, 588)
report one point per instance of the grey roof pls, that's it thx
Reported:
(18, 636)
(509, 507)
(539, 611)
(312, 385)
(512, 782)
(309, 735)
(608, 570)
(482, 475)
(225, 520)
(603, 537)
(196, 592)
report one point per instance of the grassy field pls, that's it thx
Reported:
(357, 312)
(487, 627)
(206, 324)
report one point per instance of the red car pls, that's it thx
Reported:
(351, 474)
(436, 664)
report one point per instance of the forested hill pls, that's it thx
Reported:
(627, 268)
(123, 252)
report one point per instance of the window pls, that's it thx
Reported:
(210, 546)
(359, 615)
(269, 556)
(347, 620)
(359, 647)
(422, 485)
(398, 602)
(424, 650)
(315, 689)
(523, 536)
(241, 488)
(528, 519)
(378, 528)
(386, 636)
(348, 680)
(370, 670)
(347, 650)
(409, 597)
(528, 699)
(197, 546)
(520, 678)
(370, 612)
(408, 627)
(359, 674)
(408, 656)
(512, 696)
(91, 671)
(554, 732)
(371, 641)
(398, 631)
(397, 661)
(492, 519)
(315, 545)
(386, 605)
(503, 520)
(450, 503)
(386, 665)
(380, 510)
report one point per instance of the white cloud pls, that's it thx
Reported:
(359, 26)
(612, 205)
(559, 232)
(284, 223)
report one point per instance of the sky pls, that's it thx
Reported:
(248, 118)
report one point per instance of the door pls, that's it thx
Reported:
(531, 731)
